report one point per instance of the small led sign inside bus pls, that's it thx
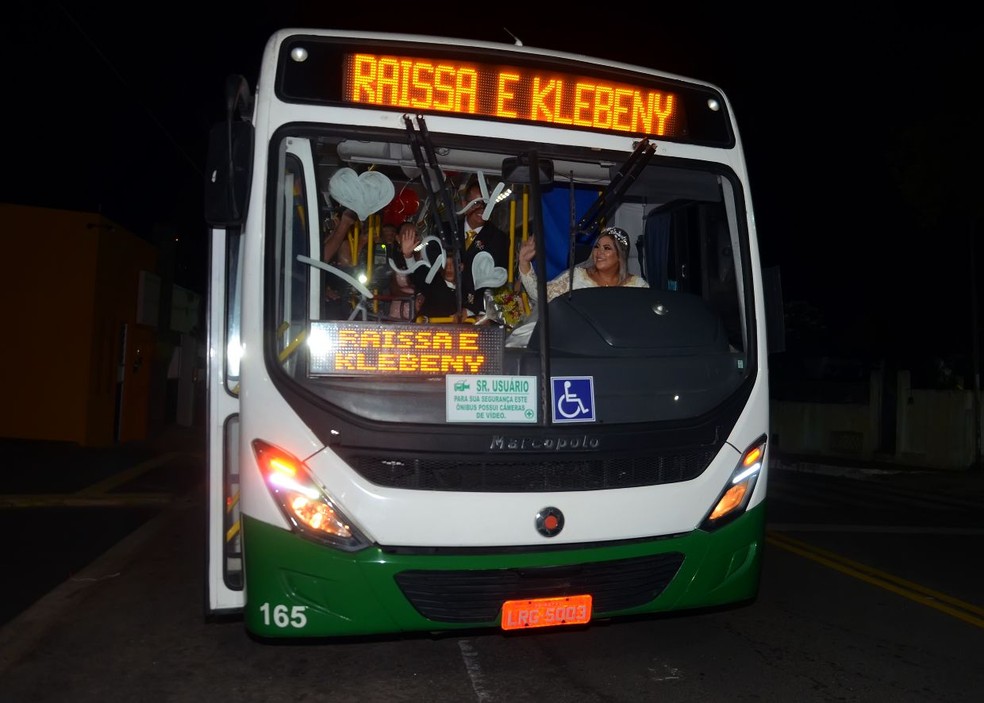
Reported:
(509, 92)
(371, 348)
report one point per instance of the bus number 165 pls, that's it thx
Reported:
(296, 618)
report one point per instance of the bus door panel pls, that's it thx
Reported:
(224, 558)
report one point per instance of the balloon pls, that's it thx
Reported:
(401, 208)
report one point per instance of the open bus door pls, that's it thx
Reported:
(227, 182)
(224, 557)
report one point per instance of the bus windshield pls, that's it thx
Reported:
(448, 335)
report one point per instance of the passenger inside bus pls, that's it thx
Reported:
(481, 236)
(346, 247)
(355, 258)
(402, 294)
(338, 227)
(337, 305)
(605, 267)
(431, 272)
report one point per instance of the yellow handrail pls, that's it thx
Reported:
(294, 344)
(512, 239)
(372, 224)
(353, 242)
(443, 320)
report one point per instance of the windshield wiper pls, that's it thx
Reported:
(453, 239)
(609, 198)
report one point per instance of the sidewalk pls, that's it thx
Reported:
(39, 466)
(962, 483)
(69, 504)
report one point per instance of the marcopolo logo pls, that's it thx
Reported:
(547, 444)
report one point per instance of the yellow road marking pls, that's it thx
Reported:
(968, 612)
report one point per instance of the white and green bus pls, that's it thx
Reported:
(600, 454)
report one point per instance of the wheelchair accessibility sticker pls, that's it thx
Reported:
(573, 398)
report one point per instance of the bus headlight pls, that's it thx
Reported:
(734, 498)
(303, 501)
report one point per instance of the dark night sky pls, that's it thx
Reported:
(108, 111)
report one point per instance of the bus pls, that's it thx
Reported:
(531, 461)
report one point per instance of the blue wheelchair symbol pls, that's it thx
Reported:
(573, 398)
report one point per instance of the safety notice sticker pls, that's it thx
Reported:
(491, 398)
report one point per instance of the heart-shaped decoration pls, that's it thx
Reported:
(365, 193)
(485, 273)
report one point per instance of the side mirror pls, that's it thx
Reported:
(228, 170)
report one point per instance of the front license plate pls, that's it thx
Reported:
(546, 612)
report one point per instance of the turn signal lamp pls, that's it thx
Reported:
(303, 501)
(733, 500)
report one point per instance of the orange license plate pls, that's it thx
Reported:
(546, 612)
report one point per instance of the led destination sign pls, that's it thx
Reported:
(370, 348)
(511, 93)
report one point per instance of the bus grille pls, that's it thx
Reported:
(477, 596)
(519, 476)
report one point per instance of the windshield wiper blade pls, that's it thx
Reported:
(445, 196)
(425, 177)
(609, 198)
(453, 240)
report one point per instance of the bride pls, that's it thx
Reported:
(608, 266)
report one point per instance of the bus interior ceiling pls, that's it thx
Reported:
(654, 185)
